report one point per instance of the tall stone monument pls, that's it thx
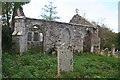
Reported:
(65, 58)
(113, 49)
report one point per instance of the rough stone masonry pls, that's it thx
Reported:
(32, 33)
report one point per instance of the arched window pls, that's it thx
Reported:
(35, 27)
(29, 36)
(35, 36)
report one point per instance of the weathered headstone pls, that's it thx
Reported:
(113, 49)
(98, 51)
(116, 53)
(106, 51)
(65, 58)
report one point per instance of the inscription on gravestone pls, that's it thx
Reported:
(65, 58)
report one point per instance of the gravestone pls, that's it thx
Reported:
(98, 51)
(113, 49)
(65, 58)
(106, 51)
(117, 52)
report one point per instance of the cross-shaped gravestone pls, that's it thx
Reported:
(65, 58)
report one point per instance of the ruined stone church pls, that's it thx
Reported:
(32, 33)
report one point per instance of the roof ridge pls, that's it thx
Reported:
(78, 16)
(86, 20)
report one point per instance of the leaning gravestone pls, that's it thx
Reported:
(113, 49)
(65, 58)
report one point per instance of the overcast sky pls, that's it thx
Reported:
(94, 9)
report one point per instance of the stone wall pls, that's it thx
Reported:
(95, 40)
(19, 35)
(54, 33)
(91, 42)
(27, 35)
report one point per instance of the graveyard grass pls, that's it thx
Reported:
(39, 65)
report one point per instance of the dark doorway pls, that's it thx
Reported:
(87, 42)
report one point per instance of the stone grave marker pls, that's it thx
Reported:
(65, 58)
(117, 52)
(98, 51)
(113, 49)
(106, 51)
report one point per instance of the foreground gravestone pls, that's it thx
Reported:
(113, 49)
(65, 58)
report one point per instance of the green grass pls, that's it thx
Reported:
(39, 65)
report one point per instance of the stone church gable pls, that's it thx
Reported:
(80, 20)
